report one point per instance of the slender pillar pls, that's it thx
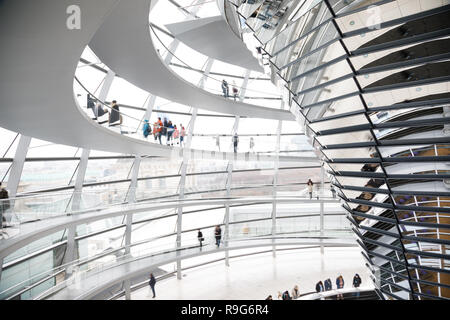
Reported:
(106, 85)
(70, 254)
(275, 183)
(227, 205)
(230, 173)
(322, 171)
(131, 196)
(17, 166)
(184, 165)
(76, 198)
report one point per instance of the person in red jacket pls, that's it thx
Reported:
(157, 127)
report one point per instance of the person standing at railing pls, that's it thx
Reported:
(217, 138)
(91, 105)
(218, 235)
(356, 283)
(340, 285)
(146, 129)
(328, 285)
(152, 283)
(252, 144)
(200, 237)
(4, 205)
(225, 88)
(164, 128)
(333, 191)
(319, 286)
(176, 134)
(310, 185)
(295, 292)
(182, 135)
(286, 296)
(115, 114)
(235, 91)
(157, 128)
(170, 129)
(235, 140)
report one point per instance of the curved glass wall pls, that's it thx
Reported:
(370, 81)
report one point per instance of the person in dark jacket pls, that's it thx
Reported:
(91, 105)
(164, 128)
(328, 285)
(4, 204)
(286, 295)
(357, 283)
(115, 113)
(235, 142)
(310, 185)
(319, 286)
(200, 237)
(218, 235)
(340, 285)
(225, 88)
(170, 130)
(152, 283)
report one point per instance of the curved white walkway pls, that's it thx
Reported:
(97, 280)
(124, 43)
(256, 277)
(202, 34)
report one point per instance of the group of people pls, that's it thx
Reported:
(217, 236)
(171, 132)
(226, 90)
(113, 117)
(327, 285)
(320, 287)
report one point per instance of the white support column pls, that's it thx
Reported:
(76, 197)
(17, 166)
(131, 196)
(70, 254)
(322, 174)
(184, 165)
(227, 205)
(106, 85)
(275, 183)
(230, 173)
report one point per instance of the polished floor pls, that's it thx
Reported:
(255, 277)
